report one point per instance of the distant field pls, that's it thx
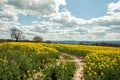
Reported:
(21, 61)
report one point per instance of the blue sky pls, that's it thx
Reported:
(85, 9)
(88, 9)
(61, 19)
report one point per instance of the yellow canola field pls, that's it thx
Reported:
(20, 61)
(101, 63)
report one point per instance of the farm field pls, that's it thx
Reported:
(101, 63)
(41, 61)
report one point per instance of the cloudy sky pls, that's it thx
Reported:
(61, 19)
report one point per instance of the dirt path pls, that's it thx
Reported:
(79, 67)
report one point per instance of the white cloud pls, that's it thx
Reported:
(65, 19)
(114, 29)
(112, 36)
(5, 25)
(5, 28)
(8, 15)
(105, 21)
(37, 7)
(2, 2)
(62, 25)
(114, 6)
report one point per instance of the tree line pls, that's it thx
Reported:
(18, 36)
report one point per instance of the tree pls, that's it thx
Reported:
(17, 34)
(81, 43)
(48, 41)
(38, 39)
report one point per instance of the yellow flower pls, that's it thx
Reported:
(46, 67)
(102, 73)
(90, 74)
(34, 70)
(25, 76)
(28, 71)
(95, 73)
(29, 75)
(63, 66)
